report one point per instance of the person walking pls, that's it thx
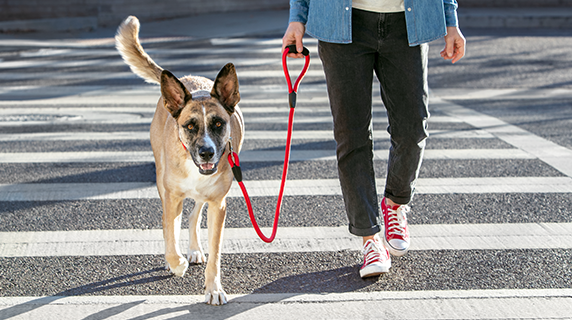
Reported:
(389, 38)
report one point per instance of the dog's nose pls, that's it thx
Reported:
(206, 153)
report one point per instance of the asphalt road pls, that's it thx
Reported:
(520, 77)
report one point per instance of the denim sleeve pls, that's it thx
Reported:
(299, 11)
(451, 19)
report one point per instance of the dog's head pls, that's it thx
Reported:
(203, 120)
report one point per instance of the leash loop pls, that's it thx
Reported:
(293, 90)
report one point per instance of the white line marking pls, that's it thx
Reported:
(249, 135)
(13, 117)
(553, 154)
(291, 239)
(439, 304)
(250, 156)
(501, 94)
(96, 75)
(188, 63)
(269, 188)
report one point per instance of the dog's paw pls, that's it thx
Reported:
(197, 256)
(179, 270)
(216, 297)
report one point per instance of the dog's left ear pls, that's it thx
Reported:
(175, 95)
(225, 88)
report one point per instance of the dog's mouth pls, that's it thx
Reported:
(207, 168)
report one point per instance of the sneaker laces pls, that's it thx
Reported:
(372, 252)
(397, 220)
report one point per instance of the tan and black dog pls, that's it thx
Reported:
(193, 123)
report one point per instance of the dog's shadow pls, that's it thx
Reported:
(339, 280)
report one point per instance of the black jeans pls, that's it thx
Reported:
(379, 45)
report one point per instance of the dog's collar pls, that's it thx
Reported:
(184, 147)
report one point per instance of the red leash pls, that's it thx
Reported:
(233, 157)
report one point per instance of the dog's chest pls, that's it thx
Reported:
(199, 186)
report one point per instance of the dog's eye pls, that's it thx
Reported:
(218, 124)
(191, 126)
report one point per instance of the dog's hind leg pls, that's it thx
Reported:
(172, 210)
(215, 294)
(196, 253)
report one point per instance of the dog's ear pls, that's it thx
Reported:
(175, 95)
(225, 88)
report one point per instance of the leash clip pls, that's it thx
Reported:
(234, 162)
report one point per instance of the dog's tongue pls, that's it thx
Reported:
(207, 166)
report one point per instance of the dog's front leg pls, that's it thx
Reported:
(172, 210)
(196, 254)
(215, 294)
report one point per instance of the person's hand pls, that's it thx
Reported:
(294, 35)
(454, 45)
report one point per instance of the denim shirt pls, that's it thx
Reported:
(331, 20)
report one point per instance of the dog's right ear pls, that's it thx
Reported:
(175, 95)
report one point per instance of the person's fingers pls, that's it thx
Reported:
(294, 35)
(459, 52)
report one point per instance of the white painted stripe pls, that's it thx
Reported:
(156, 53)
(501, 94)
(84, 94)
(290, 239)
(249, 135)
(188, 63)
(77, 157)
(428, 305)
(148, 99)
(95, 75)
(251, 156)
(269, 188)
(13, 118)
(553, 154)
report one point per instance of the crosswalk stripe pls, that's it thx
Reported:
(156, 53)
(269, 188)
(15, 118)
(419, 304)
(96, 75)
(188, 63)
(250, 156)
(555, 155)
(249, 135)
(289, 239)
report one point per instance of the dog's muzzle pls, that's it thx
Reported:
(206, 165)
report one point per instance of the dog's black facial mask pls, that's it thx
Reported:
(206, 135)
(203, 131)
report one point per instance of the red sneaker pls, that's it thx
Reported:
(376, 260)
(396, 237)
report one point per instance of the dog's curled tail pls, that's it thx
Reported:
(128, 45)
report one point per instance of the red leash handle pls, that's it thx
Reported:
(292, 49)
(235, 162)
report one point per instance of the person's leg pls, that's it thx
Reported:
(349, 74)
(402, 72)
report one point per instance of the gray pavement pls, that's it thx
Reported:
(511, 92)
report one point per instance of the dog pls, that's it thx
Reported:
(194, 121)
